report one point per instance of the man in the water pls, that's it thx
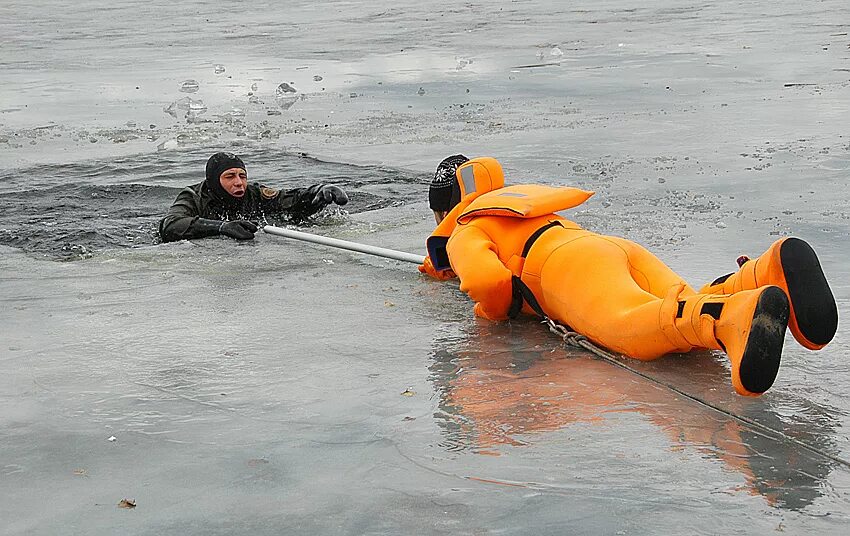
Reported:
(224, 203)
(512, 252)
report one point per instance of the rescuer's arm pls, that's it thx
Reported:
(482, 275)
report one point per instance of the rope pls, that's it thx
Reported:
(578, 340)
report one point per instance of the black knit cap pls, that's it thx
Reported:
(444, 192)
(218, 164)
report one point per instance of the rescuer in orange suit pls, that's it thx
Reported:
(513, 253)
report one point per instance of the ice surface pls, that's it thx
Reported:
(255, 388)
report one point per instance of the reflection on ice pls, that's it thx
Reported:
(496, 392)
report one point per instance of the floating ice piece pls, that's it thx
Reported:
(197, 107)
(462, 62)
(421, 91)
(317, 78)
(189, 86)
(556, 52)
(283, 89)
(182, 107)
(285, 96)
(112, 439)
(286, 103)
(218, 68)
(254, 86)
(167, 145)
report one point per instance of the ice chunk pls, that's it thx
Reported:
(189, 86)
(185, 107)
(197, 107)
(285, 96)
(218, 68)
(283, 89)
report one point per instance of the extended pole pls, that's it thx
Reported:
(345, 244)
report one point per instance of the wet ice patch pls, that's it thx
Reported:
(462, 63)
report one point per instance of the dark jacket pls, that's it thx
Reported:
(194, 204)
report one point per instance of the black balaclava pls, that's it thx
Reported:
(218, 164)
(444, 192)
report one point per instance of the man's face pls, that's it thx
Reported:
(234, 181)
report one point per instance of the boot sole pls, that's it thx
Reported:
(814, 315)
(760, 362)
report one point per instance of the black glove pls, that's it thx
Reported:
(327, 194)
(239, 229)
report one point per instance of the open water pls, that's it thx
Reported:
(276, 387)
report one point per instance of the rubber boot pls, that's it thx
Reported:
(792, 265)
(749, 326)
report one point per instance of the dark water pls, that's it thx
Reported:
(73, 211)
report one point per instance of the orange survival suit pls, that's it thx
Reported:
(511, 252)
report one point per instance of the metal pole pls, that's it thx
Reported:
(345, 244)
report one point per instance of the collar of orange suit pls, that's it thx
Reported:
(475, 178)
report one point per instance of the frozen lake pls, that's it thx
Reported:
(276, 387)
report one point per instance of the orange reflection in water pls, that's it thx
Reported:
(496, 391)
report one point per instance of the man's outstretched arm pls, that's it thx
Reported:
(301, 203)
